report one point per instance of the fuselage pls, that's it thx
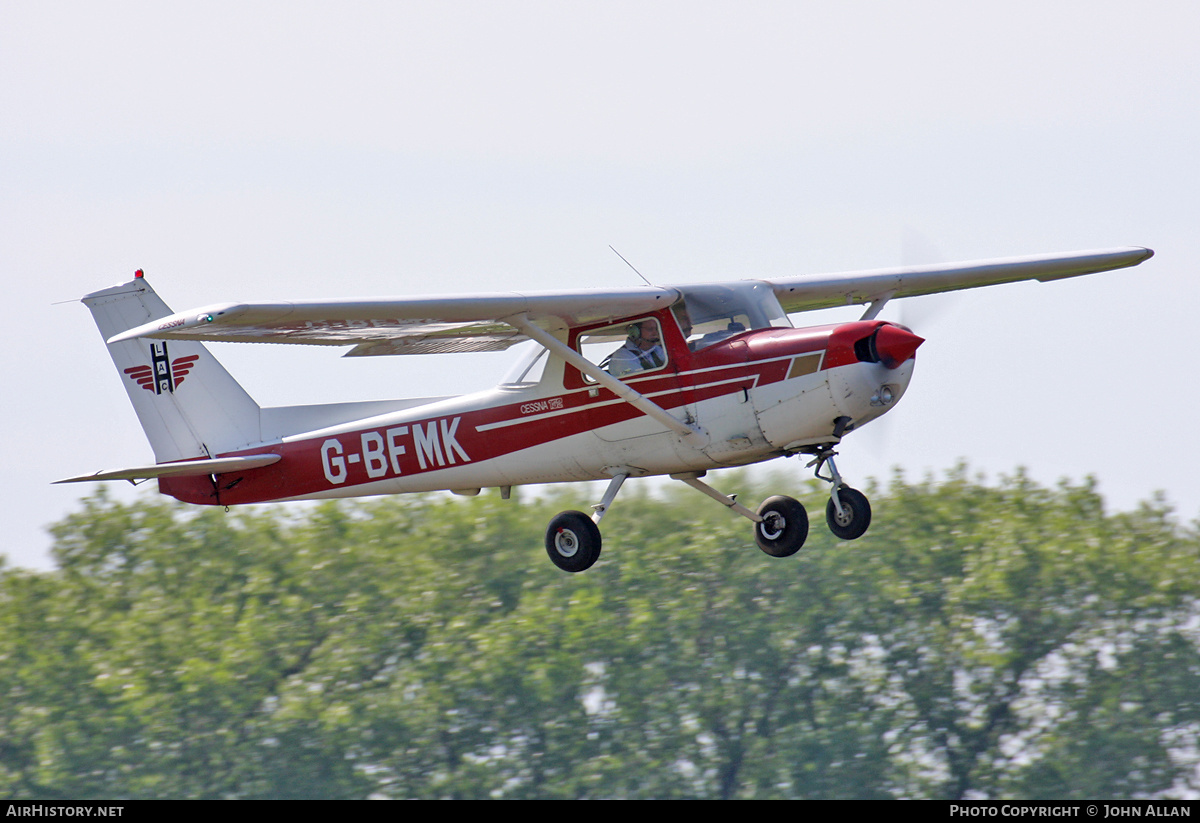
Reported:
(752, 395)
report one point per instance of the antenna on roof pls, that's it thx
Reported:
(627, 263)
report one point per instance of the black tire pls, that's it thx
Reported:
(856, 514)
(573, 541)
(784, 527)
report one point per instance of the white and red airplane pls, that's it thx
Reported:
(617, 383)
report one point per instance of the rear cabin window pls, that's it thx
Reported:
(527, 366)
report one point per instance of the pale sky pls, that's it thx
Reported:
(277, 150)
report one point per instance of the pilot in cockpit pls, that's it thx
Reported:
(641, 351)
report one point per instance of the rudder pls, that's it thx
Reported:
(188, 404)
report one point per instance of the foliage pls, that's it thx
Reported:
(980, 641)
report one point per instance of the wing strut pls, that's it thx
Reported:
(877, 305)
(692, 433)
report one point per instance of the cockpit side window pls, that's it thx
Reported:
(626, 348)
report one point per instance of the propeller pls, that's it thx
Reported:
(921, 312)
(917, 314)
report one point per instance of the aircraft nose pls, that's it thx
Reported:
(895, 345)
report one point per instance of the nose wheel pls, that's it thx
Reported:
(850, 516)
(848, 512)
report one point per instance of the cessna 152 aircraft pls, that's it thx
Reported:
(616, 383)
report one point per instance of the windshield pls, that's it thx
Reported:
(711, 313)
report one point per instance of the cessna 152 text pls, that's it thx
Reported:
(615, 383)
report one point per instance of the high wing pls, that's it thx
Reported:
(820, 291)
(485, 322)
(404, 325)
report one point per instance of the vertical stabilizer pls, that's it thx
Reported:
(188, 405)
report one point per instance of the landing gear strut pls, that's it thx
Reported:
(780, 524)
(848, 512)
(573, 539)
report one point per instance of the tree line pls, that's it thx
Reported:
(982, 640)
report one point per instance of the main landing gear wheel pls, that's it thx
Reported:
(855, 516)
(573, 541)
(784, 526)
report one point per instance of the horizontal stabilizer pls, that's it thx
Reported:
(180, 468)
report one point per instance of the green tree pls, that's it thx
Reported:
(1002, 640)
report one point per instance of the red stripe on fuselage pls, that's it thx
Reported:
(404, 448)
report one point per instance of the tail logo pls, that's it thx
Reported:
(163, 374)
